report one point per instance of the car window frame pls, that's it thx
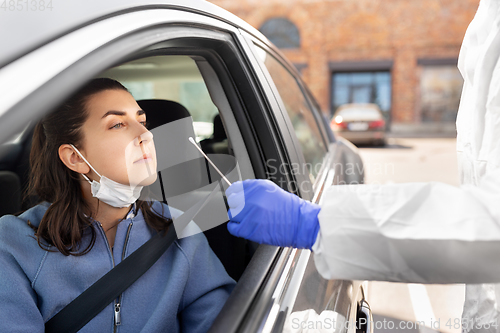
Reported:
(284, 282)
(268, 315)
(283, 296)
(267, 312)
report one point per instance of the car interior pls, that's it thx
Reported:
(169, 88)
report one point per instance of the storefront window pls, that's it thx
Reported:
(440, 89)
(362, 87)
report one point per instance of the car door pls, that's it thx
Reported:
(321, 161)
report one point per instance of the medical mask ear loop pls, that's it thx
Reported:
(78, 152)
(109, 191)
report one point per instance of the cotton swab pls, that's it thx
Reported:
(216, 169)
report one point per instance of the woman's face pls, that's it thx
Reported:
(115, 140)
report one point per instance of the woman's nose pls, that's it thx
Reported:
(144, 138)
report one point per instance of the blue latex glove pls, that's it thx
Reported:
(264, 213)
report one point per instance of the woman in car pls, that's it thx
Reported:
(89, 161)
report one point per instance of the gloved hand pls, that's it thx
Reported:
(264, 213)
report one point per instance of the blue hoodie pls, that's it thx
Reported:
(182, 292)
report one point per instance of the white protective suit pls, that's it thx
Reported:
(433, 232)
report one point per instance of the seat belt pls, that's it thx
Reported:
(104, 291)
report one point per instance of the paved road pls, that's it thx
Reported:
(414, 160)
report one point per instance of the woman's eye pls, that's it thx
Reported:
(119, 125)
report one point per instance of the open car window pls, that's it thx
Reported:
(162, 84)
(173, 78)
(178, 105)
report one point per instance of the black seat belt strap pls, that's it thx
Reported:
(93, 300)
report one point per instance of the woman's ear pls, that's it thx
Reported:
(72, 160)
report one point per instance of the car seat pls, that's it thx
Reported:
(233, 252)
(217, 143)
(10, 193)
(14, 174)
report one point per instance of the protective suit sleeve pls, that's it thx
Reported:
(412, 232)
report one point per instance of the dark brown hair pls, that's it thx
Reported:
(66, 219)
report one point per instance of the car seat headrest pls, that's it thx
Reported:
(160, 112)
(219, 132)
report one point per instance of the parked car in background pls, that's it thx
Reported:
(212, 63)
(360, 124)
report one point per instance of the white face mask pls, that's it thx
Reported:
(111, 192)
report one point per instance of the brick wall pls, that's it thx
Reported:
(367, 30)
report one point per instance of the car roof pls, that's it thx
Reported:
(23, 31)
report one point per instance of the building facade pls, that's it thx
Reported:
(400, 54)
